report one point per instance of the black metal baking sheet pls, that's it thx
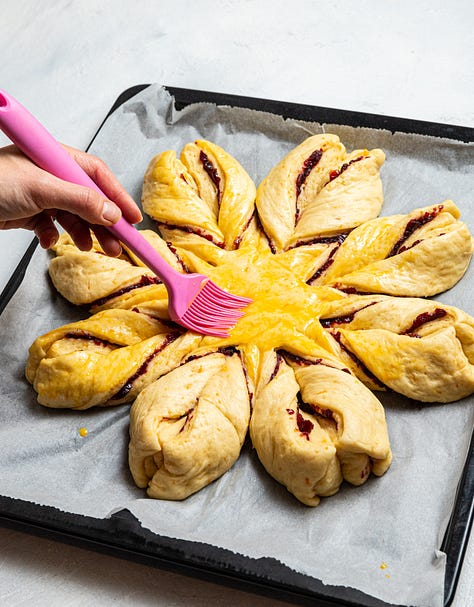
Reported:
(122, 535)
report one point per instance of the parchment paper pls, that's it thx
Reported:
(381, 538)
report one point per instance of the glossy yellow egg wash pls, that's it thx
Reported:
(285, 310)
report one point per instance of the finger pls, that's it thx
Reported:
(110, 245)
(88, 204)
(45, 230)
(78, 229)
(27, 223)
(100, 173)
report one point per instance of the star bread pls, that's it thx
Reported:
(339, 314)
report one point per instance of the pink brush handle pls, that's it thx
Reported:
(37, 143)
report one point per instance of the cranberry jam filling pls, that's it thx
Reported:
(352, 290)
(305, 362)
(314, 409)
(212, 172)
(279, 360)
(406, 248)
(304, 425)
(336, 320)
(423, 318)
(302, 362)
(238, 240)
(142, 369)
(97, 341)
(189, 415)
(226, 350)
(191, 230)
(334, 174)
(343, 319)
(144, 281)
(339, 239)
(338, 337)
(308, 166)
(412, 226)
(327, 264)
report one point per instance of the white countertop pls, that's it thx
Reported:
(68, 62)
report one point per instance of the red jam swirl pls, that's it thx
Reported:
(190, 230)
(404, 248)
(189, 415)
(226, 350)
(334, 174)
(302, 362)
(344, 318)
(314, 409)
(144, 281)
(338, 337)
(305, 362)
(336, 320)
(423, 318)
(212, 172)
(304, 425)
(351, 290)
(178, 258)
(327, 264)
(279, 360)
(142, 369)
(97, 341)
(308, 166)
(412, 226)
(339, 239)
(238, 240)
(326, 413)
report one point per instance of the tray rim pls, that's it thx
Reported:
(98, 534)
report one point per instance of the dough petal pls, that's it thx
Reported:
(104, 360)
(206, 192)
(187, 428)
(314, 424)
(419, 254)
(419, 348)
(317, 191)
(95, 279)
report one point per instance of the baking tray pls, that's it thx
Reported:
(122, 535)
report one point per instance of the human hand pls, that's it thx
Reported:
(33, 199)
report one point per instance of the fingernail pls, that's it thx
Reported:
(111, 212)
(48, 243)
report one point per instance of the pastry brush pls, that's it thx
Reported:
(194, 301)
